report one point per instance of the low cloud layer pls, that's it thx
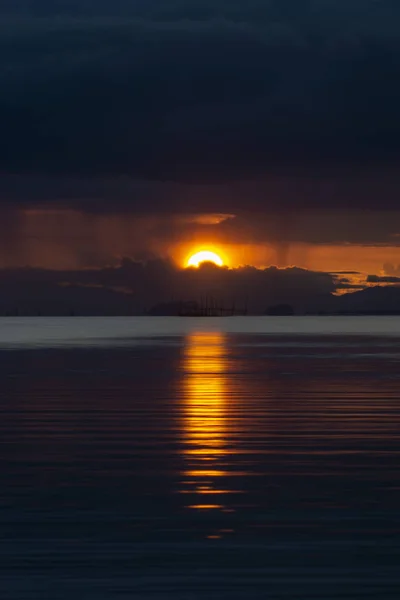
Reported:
(160, 287)
(135, 287)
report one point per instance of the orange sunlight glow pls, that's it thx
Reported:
(205, 419)
(204, 256)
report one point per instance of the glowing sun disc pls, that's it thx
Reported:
(205, 256)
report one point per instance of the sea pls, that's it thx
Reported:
(200, 458)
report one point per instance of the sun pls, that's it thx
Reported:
(205, 256)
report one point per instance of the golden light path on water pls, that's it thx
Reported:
(205, 419)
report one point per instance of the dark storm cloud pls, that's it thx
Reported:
(280, 215)
(202, 91)
(326, 12)
(382, 279)
(135, 287)
(336, 225)
(348, 188)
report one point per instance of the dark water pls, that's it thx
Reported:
(206, 462)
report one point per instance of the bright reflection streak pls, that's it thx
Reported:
(205, 417)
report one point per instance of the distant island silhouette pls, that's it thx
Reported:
(206, 307)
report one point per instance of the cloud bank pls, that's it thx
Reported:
(135, 287)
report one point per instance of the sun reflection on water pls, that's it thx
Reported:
(205, 422)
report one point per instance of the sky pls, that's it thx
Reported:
(135, 132)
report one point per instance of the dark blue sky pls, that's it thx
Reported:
(199, 91)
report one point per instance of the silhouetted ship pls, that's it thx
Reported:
(208, 307)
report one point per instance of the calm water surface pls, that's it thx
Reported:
(199, 459)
